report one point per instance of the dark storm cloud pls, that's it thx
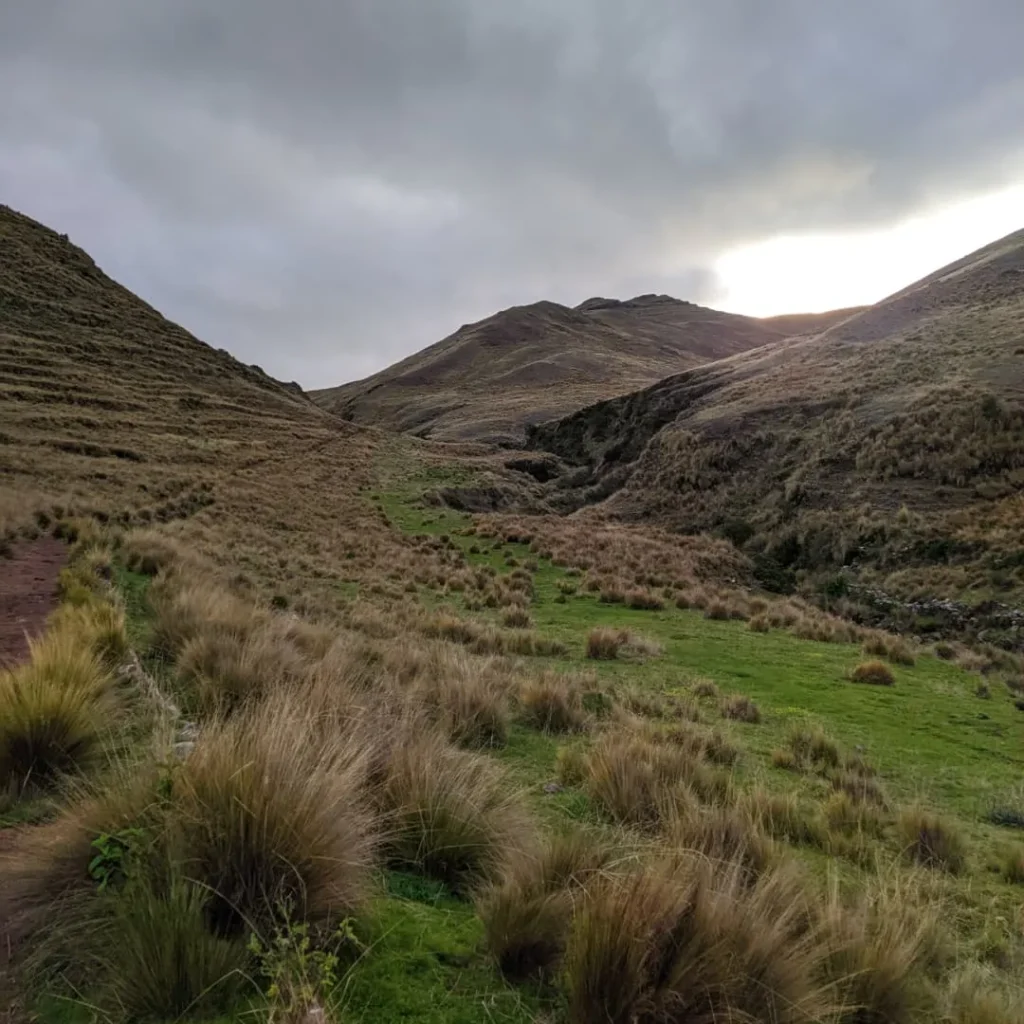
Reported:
(327, 185)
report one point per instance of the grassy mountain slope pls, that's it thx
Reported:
(343, 753)
(532, 363)
(894, 439)
(793, 324)
(108, 409)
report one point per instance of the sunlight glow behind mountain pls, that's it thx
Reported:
(815, 272)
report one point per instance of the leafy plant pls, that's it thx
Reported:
(301, 974)
(113, 852)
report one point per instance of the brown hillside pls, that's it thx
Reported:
(793, 324)
(894, 439)
(108, 409)
(528, 364)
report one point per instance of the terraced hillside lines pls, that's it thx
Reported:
(533, 363)
(103, 400)
(888, 440)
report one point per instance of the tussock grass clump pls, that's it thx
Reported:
(221, 670)
(705, 689)
(553, 703)
(723, 835)
(786, 760)
(814, 745)
(516, 617)
(159, 959)
(150, 551)
(638, 781)
(759, 624)
(604, 644)
(99, 625)
(645, 600)
(270, 813)
(783, 816)
(718, 610)
(692, 942)
(741, 709)
(932, 841)
(655, 704)
(848, 815)
(482, 638)
(979, 996)
(640, 648)
(892, 648)
(184, 611)
(54, 711)
(471, 707)
(527, 916)
(711, 744)
(571, 764)
(449, 813)
(48, 899)
(859, 786)
(1013, 866)
(873, 673)
(881, 948)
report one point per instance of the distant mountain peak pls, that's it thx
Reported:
(637, 302)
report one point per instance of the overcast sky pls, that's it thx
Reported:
(324, 186)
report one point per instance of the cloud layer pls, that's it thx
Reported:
(325, 186)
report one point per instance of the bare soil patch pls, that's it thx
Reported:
(28, 593)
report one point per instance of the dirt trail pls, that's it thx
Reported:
(28, 593)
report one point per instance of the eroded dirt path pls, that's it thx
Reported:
(28, 593)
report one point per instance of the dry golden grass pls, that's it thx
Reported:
(54, 711)
(553, 703)
(527, 916)
(874, 673)
(268, 820)
(449, 813)
(933, 841)
(642, 778)
(741, 709)
(695, 942)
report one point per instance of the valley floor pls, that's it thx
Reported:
(484, 749)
